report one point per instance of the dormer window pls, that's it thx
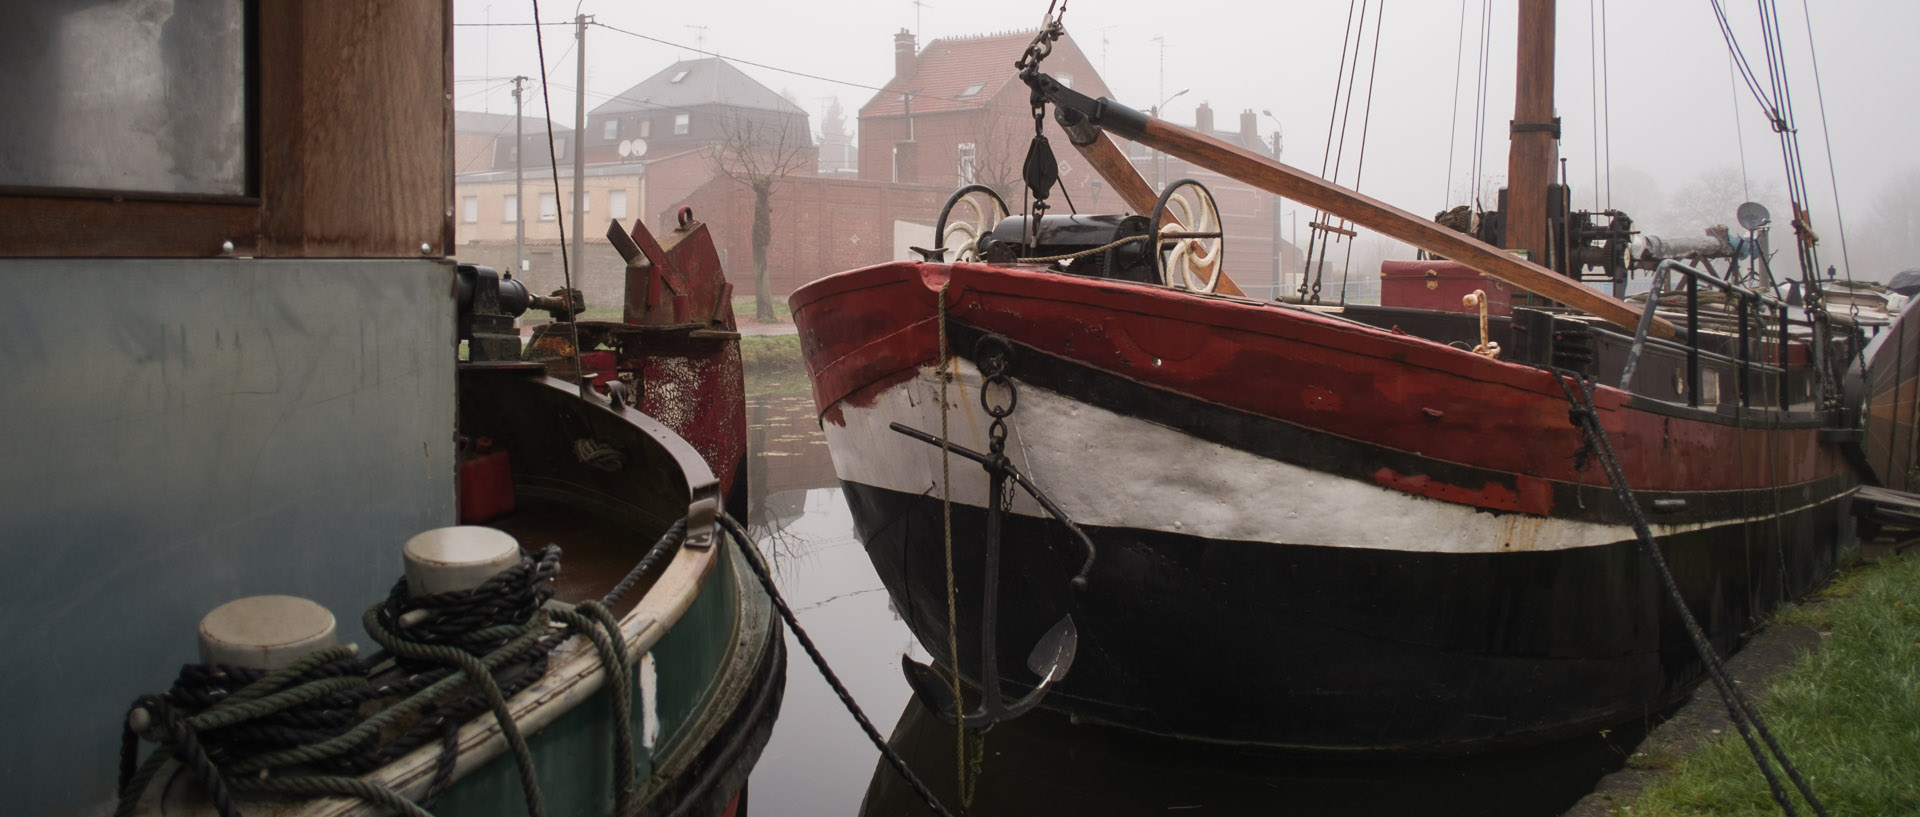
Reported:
(679, 75)
(971, 91)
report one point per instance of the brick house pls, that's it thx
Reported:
(650, 144)
(955, 113)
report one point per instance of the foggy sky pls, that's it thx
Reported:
(1671, 93)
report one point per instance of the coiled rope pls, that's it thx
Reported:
(1586, 417)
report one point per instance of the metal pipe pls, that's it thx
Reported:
(579, 148)
(1693, 341)
(1646, 322)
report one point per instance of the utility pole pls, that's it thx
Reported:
(1277, 285)
(579, 149)
(519, 192)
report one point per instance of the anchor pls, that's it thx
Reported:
(1053, 655)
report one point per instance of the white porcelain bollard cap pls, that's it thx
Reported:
(443, 560)
(265, 632)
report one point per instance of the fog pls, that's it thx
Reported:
(1667, 111)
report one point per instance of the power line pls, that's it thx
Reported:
(737, 59)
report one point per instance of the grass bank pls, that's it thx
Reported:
(1848, 714)
(773, 364)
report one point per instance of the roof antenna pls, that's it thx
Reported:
(918, 6)
(699, 39)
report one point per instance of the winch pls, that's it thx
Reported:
(1105, 239)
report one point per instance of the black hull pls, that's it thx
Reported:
(1329, 648)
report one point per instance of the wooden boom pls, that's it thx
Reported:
(1112, 165)
(1078, 111)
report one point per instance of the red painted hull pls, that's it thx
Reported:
(865, 329)
(1314, 533)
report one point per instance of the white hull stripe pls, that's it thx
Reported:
(1110, 470)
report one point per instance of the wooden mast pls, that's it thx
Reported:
(1535, 134)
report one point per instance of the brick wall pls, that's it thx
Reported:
(820, 226)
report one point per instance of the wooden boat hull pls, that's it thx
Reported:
(709, 664)
(1312, 534)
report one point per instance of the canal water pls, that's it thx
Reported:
(818, 763)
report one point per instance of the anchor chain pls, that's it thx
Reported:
(1053, 655)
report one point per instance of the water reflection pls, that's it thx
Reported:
(1041, 764)
(818, 762)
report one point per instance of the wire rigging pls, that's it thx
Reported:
(553, 162)
(717, 55)
(1593, 95)
(1480, 107)
(1740, 139)
(1606, 102)
(1453, 121)
(1826, 135)
(1366, 119)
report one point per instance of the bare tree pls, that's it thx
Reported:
(1711, 198)
(1891, 240)
(759, 153)
(999, 154)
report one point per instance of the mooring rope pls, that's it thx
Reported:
(1044, 259)
(1583, 414)
(946, 538)
(743, 541)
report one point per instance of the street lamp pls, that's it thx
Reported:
(1159, 159)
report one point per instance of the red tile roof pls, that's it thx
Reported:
(948, 67)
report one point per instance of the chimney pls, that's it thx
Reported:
(902, 53)
(1203, 119)
(1249, 129)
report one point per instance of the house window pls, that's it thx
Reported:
(586, 202)
(611, 130)
(1065, 80)
(682, 123)
(549, 208)
(469, 209)
(512, 209)
(560, 148)
(616, 204)
(971, 91)
(682, 74)
(646, 128)
(967, 172)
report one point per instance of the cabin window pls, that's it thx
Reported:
(616, 204)
(682, 123)
(512, 208)
(549, 207)
(611, 130)
(102, 98)
(469, 209)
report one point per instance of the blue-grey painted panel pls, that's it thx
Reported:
(181, 433)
